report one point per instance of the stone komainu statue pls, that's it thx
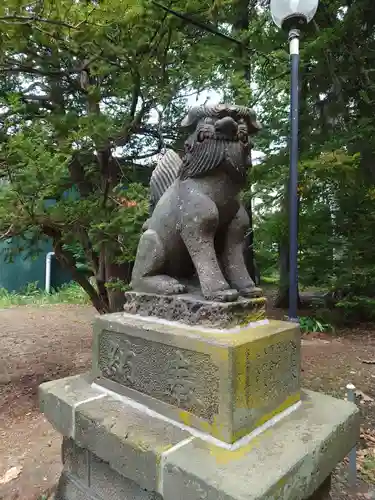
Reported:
(197, 224)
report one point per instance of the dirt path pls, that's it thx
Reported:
(36, 345)
(328, 365)
(39, 344)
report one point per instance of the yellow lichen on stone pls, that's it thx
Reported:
(224, 456)
(249, 387)
(289, 401)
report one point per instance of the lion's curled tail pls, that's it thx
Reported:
(163, 176)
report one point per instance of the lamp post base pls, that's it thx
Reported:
(296, 21)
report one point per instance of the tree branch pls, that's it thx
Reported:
(42, 99)
(124, 136)
(67, 261)
(16, 19)
(145, 156)
(8, 234)
(135, 94)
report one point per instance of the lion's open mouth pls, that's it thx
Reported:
(212, 153)
(204, 136)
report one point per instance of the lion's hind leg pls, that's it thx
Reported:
(149, 263)
(233, 258)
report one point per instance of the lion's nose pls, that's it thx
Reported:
(227, 126)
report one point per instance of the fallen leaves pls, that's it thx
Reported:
(363, 398)
(366, 456)
(366, 463)
(367, 361)
(10, 475)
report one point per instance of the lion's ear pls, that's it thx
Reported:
(193, 116)
(188, 121)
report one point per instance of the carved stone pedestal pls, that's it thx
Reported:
(222, 383)
(193, 309)
(185, 412)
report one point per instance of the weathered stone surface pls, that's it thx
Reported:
(108, 484)
(197, 222)
(162, 372)
(130, 441)
(222, 383)
(120, 450)
(59, 398)
(99, 481)
(323, 492)
(113, 488)
(70, 488)
(290, 461)
(195, 310)
(86, 474)
(76, 460)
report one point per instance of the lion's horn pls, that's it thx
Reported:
(217, 110)
(204, 111)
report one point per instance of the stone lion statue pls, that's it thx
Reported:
(197, 223)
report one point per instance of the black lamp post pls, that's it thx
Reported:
(292, 16)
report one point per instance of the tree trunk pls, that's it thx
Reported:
(249, 247)
(66, 261)
(115, 273)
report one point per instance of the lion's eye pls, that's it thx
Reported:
(201, 136)
(242, 136)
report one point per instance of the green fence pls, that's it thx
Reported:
(26, 268)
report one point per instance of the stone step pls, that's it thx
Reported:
(289, 461)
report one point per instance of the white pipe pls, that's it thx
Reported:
(350, 388)
(48, 271)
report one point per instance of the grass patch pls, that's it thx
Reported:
(269, 280)
(70, 293)
(366, 461)
(310, 324)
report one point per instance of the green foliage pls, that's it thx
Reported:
(368, 464)
(313, 325)
(270, 280)
(337, 147)
(118, 285)
(353, 309)
(70, 293)
(126, 223)
(78, 253)
(89, 94)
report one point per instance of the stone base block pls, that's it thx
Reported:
(223, 383)
(193, 309)
(119, 449)
(85, 476)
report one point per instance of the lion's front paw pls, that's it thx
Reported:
(172, 287)
(223, 295)
(252, 291)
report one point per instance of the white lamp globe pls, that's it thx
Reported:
(286, 12)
